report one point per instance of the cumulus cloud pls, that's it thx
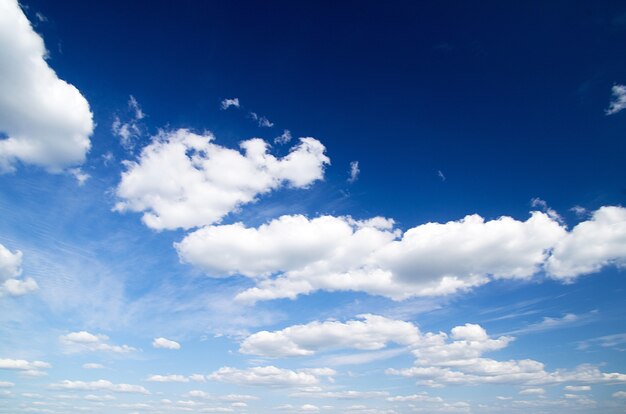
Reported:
(87, 342)
(369, 332)
(591, 245)
(184, 180)
(100, 385)
(294, 255)
(47, 122)
(270, 376)
(129, 130)
(165, 343)
(458, 359)
(227, 103)
(619, 99)
(10, 271)
(354, 171)
(29, 368)
(168, 378)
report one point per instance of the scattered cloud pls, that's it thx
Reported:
(10, 272)
(354, 171)
(29, 368)
(619, 99)
(46, 120)
(80, 176)
(262, 121)
(537, 202)
(619, 394)
(532, 391)
(87, 342)
(167, 378)
(131, 129)
(270, 376)
(441, 176)
(577, 388)
(369, 332)
(617, 341)
(93, 365)
(165, 343)
(550, 323)
(579, 211)
(178, 180)
(100, 385)
(227, 103)
(283, 138)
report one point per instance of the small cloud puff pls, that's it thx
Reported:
(165, 343)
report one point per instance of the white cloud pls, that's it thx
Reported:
(283, 138)
(165, 343)
(46, 120)
(262, 121)
(227, 103)
(577, 388)
(294, 255)
(619, 99)
(269, 376)
(441, 176)
(605, 231)
(354, 171)
(550, 323)
(84, 341)
(168, 378)
(339, 253)
(6, 384)
(619, 394)
(80, 176)
(422, 397)
(10, 263)
(92, 365)
(608, 341)
(28, 368)
(457, 359)
(184, 180)
(532, 391)
(128, 131)
(10, 270)
(99, 385)
(369, 332)
(17, 287)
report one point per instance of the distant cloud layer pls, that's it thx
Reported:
(46, 120)
(179, 180)
(341, 254)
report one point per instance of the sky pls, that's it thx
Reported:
(312, 207)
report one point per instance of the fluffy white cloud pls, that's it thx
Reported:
(46, 120)
(85, 341)
(619, 99)
(99, 385)
(10, 270)
(457, 359)
(92, 365)
(29, 368)
(339, 253)
(168, 378)
(370, 332)
(294, 255)
(165, 343)
(184, 180)
(591, 245)
(270, 376)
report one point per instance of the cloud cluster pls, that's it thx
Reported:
(87, 342)
(294, 255)
(46, 121)
(271, 376)
(29, 368)
(184, 180)
(10, 271)
(369, 332)
(228, 102)
(100, 385)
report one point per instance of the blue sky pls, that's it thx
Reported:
(321, 207)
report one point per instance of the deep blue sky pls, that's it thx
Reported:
(450, 108)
